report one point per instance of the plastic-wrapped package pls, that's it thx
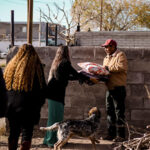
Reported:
(93, 68)
(94, 71)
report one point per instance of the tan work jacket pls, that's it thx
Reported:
(117, 65)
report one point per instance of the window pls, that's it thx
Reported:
(24, 29)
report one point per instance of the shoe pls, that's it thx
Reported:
(119, 139)
(109, 138)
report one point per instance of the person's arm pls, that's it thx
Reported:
(74, 75)
(3, 95)
(2, 82)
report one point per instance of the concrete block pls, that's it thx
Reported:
(97, 90)
(139, 66)
(82, 101)
(140, 114)
(138, 90)
(74, 88)
(135, 55)
(44, 110)
(139, 124)
(128, 90)
(99, 53)
(127, 115)
(103, 114)
(100, 101)
(73, 113)
(68, 101)
(147, 78)
(82, 52)
(135, 78)
(132, 100)
(147, 103)
(146, 54)
(48, 51)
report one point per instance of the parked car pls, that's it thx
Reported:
(3, 55)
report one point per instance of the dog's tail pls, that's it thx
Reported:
(52, 127)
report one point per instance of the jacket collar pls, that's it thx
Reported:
(113, 55)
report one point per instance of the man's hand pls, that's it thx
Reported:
(95, 81)
(106, 67)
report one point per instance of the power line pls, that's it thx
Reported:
(18, 2)
(37, 1)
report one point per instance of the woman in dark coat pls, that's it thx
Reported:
(3, 96)
(60, 73)
(25, 82)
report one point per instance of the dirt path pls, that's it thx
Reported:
(74, 144)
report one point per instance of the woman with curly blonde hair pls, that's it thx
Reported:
(25, 82)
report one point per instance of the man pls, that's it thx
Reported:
(116, 63)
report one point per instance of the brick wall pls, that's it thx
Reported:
(80, 98)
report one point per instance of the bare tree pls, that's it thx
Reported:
(59, 15)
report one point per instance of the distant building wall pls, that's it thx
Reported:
(4, 44)
(124, 38)
(80, 98)
(20, 30)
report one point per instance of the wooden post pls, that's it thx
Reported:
(40, 30)
(56, 35)
(29, 21)
(78, 26)
(101, 19)
(12, 28)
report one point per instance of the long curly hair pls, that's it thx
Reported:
(20, 71)
(62, 53)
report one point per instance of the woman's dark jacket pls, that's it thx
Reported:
(58, 83)
(3, 96)
(26, 104)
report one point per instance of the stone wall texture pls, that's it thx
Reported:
(80, 98)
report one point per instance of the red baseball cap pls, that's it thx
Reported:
(110, 42)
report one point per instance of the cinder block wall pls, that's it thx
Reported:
(124, 38)
(80, 98)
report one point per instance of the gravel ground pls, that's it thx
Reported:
(73, 144)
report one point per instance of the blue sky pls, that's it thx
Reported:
(20, 8)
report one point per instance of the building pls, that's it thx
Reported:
(20, 34)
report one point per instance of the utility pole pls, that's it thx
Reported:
(56, 35)
(40, 30)
(12, 28)
(29, 21)
(101, 18)
(46, 35)
(78, 26)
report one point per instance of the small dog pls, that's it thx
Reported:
(83, 128)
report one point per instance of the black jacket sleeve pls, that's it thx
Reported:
(3, 95)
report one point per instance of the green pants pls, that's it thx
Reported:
(55, 114)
